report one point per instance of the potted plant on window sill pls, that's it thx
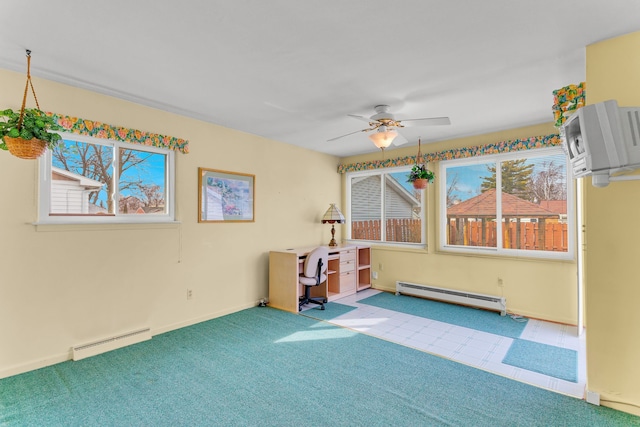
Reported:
(27, 135)
(420, 177)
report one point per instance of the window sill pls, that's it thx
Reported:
(512, 255)
(106, 226)
(394, 246)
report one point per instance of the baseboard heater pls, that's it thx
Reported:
(489, 302)
(87, 350)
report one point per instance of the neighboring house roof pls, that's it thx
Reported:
(70, 193)
(366, 199)
(150, 209)
(484, 206)
(396, 186)
(402, 191)
(557, 206)
(65, 175)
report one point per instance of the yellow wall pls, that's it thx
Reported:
(73, 285)
(536, 288)
(70, 286)
(612, 236)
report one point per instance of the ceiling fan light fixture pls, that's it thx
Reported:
(383, 139)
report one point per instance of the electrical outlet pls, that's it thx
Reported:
(189, 294)
(375, 274)
(500, 283)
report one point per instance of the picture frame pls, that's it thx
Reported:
(225, 196)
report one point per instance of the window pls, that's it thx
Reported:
(88, 180)
(384, 207)
(512, 204)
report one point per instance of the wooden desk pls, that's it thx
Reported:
(349, 271)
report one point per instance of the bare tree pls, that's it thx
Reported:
(129, 204)
(549, 183)
(153, 194)
(95, 162)
(453, 186)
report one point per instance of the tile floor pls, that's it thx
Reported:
(475, 348)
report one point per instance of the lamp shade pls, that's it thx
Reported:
(382, 139)
(333, 215)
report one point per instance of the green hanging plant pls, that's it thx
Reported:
(35, 125)
(27, 133)
(420, 172)
(419, 175)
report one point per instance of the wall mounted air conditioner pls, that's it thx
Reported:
(603, 140)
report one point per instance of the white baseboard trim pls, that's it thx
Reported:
(63, 357)
(35, 364)
(190, 322)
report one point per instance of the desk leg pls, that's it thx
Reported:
(284, 289)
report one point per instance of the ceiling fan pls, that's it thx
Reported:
(384, 123)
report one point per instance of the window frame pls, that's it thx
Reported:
(383, 172)
(44, 187)
(499, 250)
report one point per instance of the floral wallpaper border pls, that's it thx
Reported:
(459, 153)
(567, 99)
(106, 131)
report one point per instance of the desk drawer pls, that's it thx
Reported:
(347, 266)
(348, 255)
(347, 281)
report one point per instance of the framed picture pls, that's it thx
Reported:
(225, 196)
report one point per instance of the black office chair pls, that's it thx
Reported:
(314, 273)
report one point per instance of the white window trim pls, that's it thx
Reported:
(347, 210)
(44, 201)
(499, 251)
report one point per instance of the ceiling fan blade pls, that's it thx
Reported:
(364, 119)
(399, 140)
(338, 137)
(432, 121)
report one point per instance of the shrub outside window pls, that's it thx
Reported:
(518, 204)
(384, 207)
(88, 180)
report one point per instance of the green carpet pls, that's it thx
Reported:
(331, 311)
(545, 359)
(481, 320)
(266, 367)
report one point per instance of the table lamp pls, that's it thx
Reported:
(331, 216)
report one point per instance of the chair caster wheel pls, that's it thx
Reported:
(322, 307)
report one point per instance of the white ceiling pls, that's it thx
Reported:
(291, 70)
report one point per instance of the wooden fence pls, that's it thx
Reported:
(396, 230)
(550, 236)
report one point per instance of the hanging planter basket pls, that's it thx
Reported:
(25, 134)
(25, 148)
(420, 184)
(419, 175)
